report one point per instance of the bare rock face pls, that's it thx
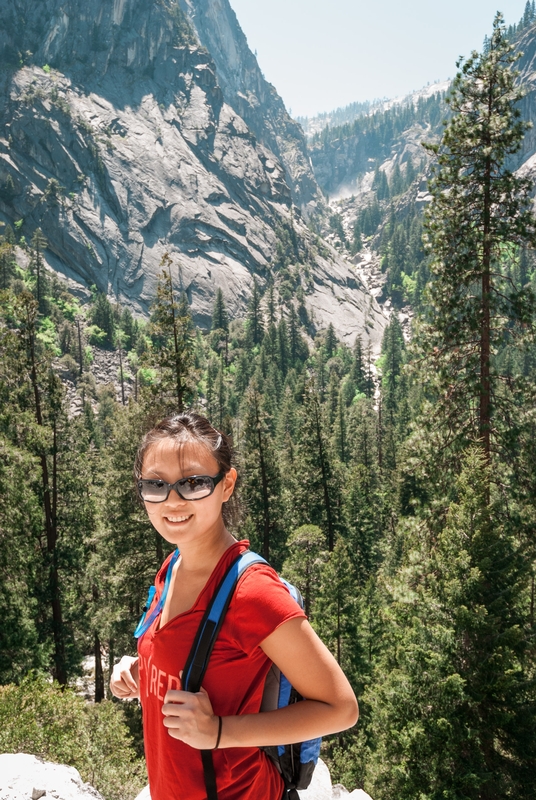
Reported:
(526, 157)
(25, 777)
(246, 90)
(120, 145)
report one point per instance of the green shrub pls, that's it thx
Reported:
(39, 718)
(95, 335)
(70, 366)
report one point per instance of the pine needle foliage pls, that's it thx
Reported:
(479, 219)
(453, 697)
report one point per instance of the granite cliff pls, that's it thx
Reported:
(252, 97)
(120, 138)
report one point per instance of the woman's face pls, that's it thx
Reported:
(182, 521)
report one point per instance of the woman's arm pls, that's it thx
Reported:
(330, 705)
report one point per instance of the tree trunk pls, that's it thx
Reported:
(99, 672)
(265, 500)
(331, 535)
(50, 495)
(121, 376)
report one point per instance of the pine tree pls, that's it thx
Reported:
(397, 182)
(220, 324)
(297, 345)
(334, 608)
(254, 319)
(303, 565)
(172, 330)
(261, 481)
(7, 264)
(331, 341)
(102, 315)
(480, 212)
(452, 701)
(37, 268)
(392, 389)
(220, 317)
(34, 422)
(316, 489)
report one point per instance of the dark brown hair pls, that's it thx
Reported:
(189, 426)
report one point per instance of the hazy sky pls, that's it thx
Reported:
(321, 54)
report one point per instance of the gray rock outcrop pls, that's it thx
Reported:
(525, 159)
(26, 777)
(121, 146)
(257, 101)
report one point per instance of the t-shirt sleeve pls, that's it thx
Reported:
(261, 603)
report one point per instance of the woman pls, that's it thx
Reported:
(186, 479)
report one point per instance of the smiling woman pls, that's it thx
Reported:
(185, 478)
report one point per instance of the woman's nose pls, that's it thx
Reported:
(174, 496)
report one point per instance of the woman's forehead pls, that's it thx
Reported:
(188, 455)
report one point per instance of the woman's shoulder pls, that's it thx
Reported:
(261, 603)
(259, 578)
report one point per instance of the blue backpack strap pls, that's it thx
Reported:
(209, 628)
(207, 633)
(144, 624)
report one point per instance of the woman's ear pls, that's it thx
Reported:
(229, 483)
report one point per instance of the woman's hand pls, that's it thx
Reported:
(190, 718)
(124, 682)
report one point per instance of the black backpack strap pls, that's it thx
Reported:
(205, 638)
(210, 626)
(209, 774)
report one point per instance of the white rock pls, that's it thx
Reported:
(23, 777)
(320, 788)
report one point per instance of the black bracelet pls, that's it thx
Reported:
(219, 733)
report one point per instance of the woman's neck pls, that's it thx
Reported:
(203, 553)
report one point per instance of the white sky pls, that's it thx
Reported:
(321, 54)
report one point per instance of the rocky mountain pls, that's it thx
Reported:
(120, 137)
(252, 97)
(374, 171)
(526, 158)
(392, 130)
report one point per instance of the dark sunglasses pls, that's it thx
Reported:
(195, 487)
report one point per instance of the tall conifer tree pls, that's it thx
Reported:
(479, 215)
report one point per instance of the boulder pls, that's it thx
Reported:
(26, 777)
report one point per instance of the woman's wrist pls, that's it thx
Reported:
(220, 727)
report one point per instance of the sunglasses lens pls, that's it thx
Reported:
(153, 491)
(196, 487)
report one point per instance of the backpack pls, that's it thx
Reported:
(295, 762)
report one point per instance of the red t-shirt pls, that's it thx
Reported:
(234, 681)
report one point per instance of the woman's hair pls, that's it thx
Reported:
(191, 427)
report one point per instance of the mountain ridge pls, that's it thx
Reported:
(122, 147)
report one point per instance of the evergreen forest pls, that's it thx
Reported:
(398, 492)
